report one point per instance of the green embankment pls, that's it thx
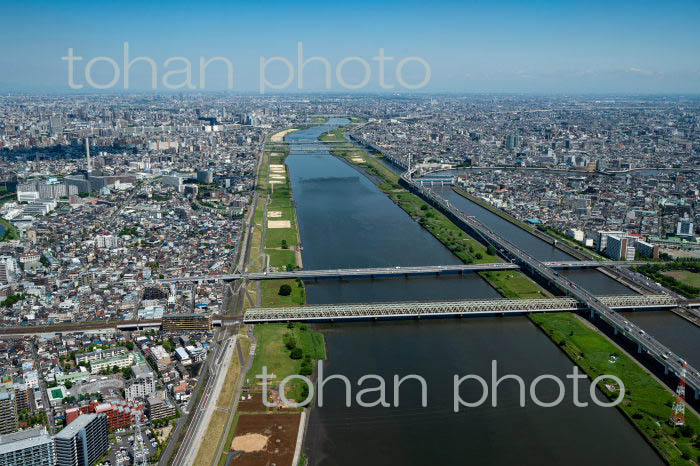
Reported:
(681, 276)
(647, 403)
(275, 348)
(280, 243)
(510, 284)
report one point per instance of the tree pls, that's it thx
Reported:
(296, 353)
(284, 244)
(126, 372)
(285, 290)
(68, 384)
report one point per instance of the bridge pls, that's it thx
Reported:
(547, 274)
(378, 272)
(461, 308)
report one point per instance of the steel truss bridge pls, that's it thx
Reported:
(463, 308)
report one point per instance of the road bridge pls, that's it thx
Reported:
(460, 308)
(378, 272)
(533, 266)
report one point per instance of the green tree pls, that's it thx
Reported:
(285, 290)
(296, 353)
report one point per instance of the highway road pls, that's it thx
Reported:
(387, 271)
(636, 334)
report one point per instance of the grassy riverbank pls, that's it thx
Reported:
(509, 283)
(681, 276)
(278, 244)
(276, 345)
(647, 403)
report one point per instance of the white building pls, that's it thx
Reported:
(106, 241)
(685, 227)
(142, 384)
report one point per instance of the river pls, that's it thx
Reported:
(345, 221)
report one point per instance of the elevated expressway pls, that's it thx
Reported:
(545, 273)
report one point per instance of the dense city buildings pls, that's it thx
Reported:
(127, 211)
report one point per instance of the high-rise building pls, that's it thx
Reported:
(602, 238)
(620, 248)
(8, 413)
(33, 447)
(685, 227)
(142, 384)
(83, 441)
(205, 176)
(8, 269)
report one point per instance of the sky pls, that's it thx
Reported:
(467, 46)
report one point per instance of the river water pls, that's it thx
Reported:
(345, 221)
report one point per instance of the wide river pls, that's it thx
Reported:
(346, 221)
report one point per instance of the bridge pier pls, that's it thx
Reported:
(697, 394)
(592, 314)
(639, 348)
(665, 369)
(615, 331)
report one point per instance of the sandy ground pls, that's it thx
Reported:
(276, 182)
(280, 430)
(164, 433)
(274, 214)
(275, 176)
(279, 224)
(249, 442)
(276, 167)
(357, 159)
(279, 137)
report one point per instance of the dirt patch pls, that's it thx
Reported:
(280, 430)
(279, 224)
(251, 402)
(274, 214)
(249, 443)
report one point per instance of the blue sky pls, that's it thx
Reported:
(480, 46)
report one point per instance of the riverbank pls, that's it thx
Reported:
(509, 283)
(275, 241)
(647, 403)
